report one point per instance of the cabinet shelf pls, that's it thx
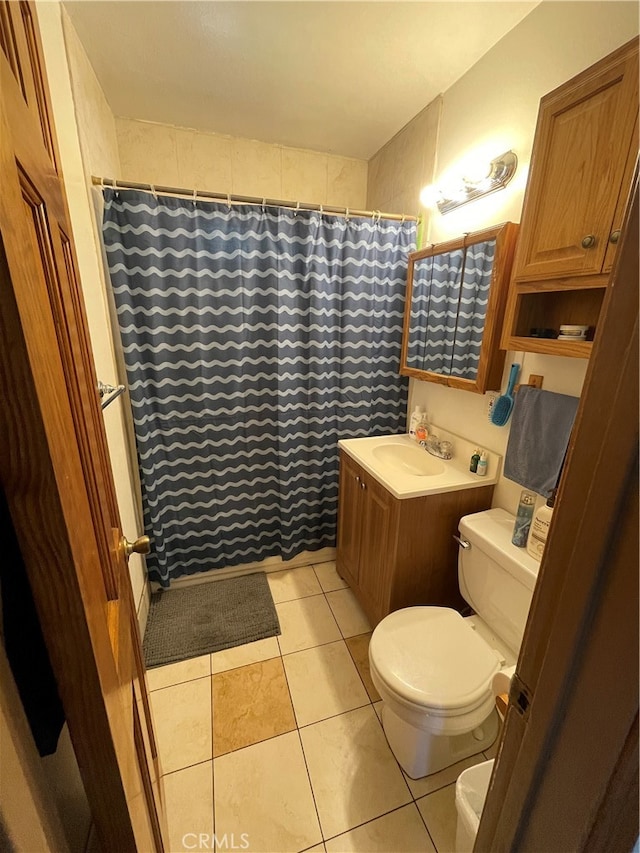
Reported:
(550, 346)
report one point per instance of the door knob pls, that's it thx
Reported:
(614, 236)
(588, 242)
(141, 545)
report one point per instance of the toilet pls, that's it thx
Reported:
(433, 668)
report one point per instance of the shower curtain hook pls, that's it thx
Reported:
(153, 190)
(346, 215)
(403, 218)
(321, 210)
(297, 210)
(195, 197)
(229, 200)
(264, 204)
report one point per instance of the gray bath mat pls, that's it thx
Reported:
(208, 617)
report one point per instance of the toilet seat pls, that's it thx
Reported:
(452, 676)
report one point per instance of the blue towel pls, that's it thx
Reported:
(539, 437)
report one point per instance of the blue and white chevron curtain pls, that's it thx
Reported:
(449, 300)
(254, 338)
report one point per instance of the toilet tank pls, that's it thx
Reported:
(496, 578)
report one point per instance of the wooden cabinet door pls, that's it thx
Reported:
(376, 548)
(580, 152)
(54, 462)
(349, 517)
(623, 200)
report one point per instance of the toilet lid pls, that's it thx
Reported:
(431, 656)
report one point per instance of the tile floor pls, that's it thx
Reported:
(277, 746)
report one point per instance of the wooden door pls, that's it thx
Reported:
(581, 146)
(54, 465)
(566, 776)
(377, 552)
(349, 517)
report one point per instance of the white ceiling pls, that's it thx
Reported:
(341, 77)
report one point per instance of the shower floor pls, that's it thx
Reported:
(277, 745)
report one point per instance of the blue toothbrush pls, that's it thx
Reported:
(501, 411)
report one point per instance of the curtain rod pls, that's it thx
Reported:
(247, 199)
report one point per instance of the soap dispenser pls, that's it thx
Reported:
(414, 422)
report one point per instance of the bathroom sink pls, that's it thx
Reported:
(408, 471)
(410, 460)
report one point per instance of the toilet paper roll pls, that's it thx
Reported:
(502, 681)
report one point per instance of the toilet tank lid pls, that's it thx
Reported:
(491, 532)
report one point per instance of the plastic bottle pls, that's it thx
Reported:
(483, 464)
(473, 462)
(523, 519)
(415, 420)
(540, 528)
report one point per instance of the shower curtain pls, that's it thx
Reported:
(254, 338)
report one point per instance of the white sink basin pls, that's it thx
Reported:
(410, 460)
(407, 471)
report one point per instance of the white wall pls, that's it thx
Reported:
(405, 162)
(491, 109)
(181, 157)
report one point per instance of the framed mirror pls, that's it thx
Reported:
(456, 297)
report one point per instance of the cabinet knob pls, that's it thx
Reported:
(357, 478)
(588, 242)
(614, 236)
(363, 485)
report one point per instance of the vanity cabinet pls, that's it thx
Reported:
(397, 553)
(584, 154)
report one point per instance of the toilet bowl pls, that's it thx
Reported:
(434, 669)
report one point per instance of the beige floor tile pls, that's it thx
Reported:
(176, 673)
(319, 848)
(428, 784)
(401, 831)
(323, 682)
(251, 703)
(349, 615)
(293, 583)
(354, 775)
(439, 813)
(329, 577)
(244, 655)
(359, 648)
(377, 707)
(182, 717)
(306, 623)
(264, 791)
(189, 805)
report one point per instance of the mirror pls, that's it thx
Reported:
(456, 295)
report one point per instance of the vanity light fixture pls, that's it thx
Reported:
(500, 171)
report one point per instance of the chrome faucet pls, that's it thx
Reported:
(441, 449)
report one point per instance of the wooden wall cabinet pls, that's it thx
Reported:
(398, 553)
(584, 154)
